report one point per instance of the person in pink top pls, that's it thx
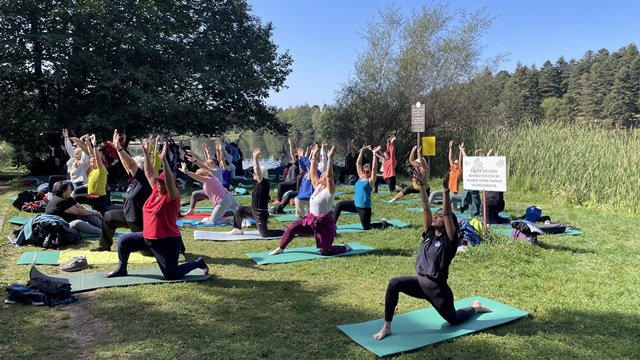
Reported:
(389, 163)
(221, 199)
(160, 232)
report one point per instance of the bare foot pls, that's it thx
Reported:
(276, 251)
(480, 308)
(190, 212)
(382, 333)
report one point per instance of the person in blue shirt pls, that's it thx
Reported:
(439, 244)
(361, 202)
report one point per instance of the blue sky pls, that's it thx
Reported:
(323, 37)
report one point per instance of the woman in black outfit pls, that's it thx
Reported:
(438, 247)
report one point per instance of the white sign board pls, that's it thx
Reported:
(417, 117)
(485, 173)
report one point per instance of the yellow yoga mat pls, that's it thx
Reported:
(107, 257)
(428, 146)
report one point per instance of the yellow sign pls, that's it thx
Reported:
(428, 146)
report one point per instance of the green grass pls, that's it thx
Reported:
(583, 294)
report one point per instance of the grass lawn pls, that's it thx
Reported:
(583, 293)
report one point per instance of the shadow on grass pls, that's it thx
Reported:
(571, 249)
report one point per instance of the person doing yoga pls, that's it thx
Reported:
(438, 247)
(361, 202)
(319, 221)
(160, 233)
(419, 166)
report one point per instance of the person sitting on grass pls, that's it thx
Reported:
(160, 233)
(130, 215)
(495, 204)
(319, 221)
(439, 244)
(361, 202)
(419, 166)
(80, 218)
(259, 209)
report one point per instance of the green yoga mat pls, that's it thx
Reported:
(12, 198)
(42, 258)
(417, 329)
(19, 220)
(403, 201)
(305, 253)
(96, 280)
(395, 222)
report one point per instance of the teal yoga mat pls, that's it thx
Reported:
(19, 220)
(41, 258)
(294, 217)
(418, 209)
(305, 253)
(417, 329)
(395, 222)
(403, 201)
(96, 280)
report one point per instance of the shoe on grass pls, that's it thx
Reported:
(235, 231)
(75, 264)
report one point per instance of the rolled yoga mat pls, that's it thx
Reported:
(420, 328)
(90, 281)
(304, 253)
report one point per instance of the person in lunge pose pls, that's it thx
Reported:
(319, 221)
(361, 202)
(130, 215)
(259, 209)
(389, 162)
(438, 247)
(160, 233)
(419, 167)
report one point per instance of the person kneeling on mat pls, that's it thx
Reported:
(160, 232)
(438, 247)
(319, 221)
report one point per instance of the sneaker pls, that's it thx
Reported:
(462, 249)
(37, 300)
(75, 264)
(235, 231)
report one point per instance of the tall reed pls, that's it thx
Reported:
(583, 164)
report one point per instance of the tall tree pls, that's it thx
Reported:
(198, 66)
(550, 81)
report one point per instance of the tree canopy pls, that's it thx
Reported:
(197, 66)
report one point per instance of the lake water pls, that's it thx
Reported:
(270, 145)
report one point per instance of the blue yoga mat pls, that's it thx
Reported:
(417, 329)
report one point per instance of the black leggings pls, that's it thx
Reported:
(285, 186)
(390, 181)
(439, 295)
(261, 218)
(363, 213)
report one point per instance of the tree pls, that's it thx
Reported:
(521, 98)
(198, 67)
(424, 57)
(550, 81)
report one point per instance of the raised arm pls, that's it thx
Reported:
(194, 176)
(450, 153)
(427, 216)
(374, 166)
(67, 143)
(127, 161)
(446, 208)
(412, 155)
(93, 150)
(313, 169)
(169, 180)
(80, 142)
(461, 154)
(331, 183)
(359, 161)
(149, 170)
(256, 165)
(220, 157)
(205, 151)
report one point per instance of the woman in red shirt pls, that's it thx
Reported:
(160, 233)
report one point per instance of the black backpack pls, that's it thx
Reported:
(23, 198)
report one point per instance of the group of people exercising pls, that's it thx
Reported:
(152, 206)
